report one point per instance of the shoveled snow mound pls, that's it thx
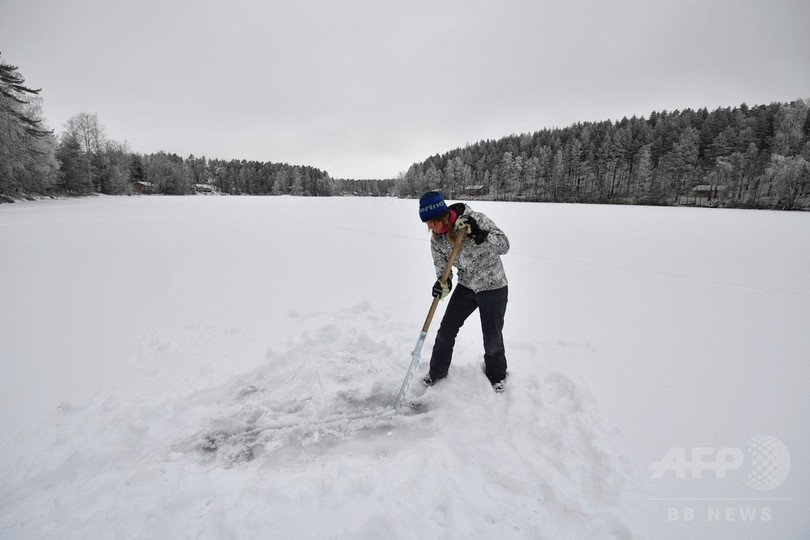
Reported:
(308, 446)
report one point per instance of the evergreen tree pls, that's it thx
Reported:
(115, 172)
(15, 98)
(557, 175)
(27, 148)
(683, 160)
(137, 172)
(74, 163)
(643, 170)
(168, 174)
(509, 179)
(789, 124)
(432, 179)
(297, 187)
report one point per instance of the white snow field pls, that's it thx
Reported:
(225, 367)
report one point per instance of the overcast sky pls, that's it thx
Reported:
(365, 88)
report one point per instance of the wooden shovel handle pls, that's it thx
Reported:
(445, 275)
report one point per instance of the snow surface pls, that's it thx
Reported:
(225, 367)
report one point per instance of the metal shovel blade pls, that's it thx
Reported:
(415, 357)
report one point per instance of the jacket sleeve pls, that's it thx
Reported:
(440, 257)
(496, 239)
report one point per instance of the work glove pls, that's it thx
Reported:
(473, 230)
(440, 290)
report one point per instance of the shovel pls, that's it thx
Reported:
(417, 350)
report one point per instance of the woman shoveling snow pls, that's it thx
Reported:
(481, 285)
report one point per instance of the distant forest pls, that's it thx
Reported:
(82, 160)
(753, 157)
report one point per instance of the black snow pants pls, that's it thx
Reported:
(492, 308)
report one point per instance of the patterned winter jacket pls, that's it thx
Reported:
(479, 266)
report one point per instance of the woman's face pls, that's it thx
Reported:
(438, 225)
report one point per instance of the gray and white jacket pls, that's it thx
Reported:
(479, 266)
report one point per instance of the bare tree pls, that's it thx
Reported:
(87, 130)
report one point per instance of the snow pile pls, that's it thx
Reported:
(226, 367)
(308, 444)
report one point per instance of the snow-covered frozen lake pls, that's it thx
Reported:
(225, 367)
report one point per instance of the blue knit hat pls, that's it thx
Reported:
(432, 206)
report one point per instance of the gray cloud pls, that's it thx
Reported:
(365, 88)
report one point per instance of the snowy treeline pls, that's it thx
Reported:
(113, 170)
(83, 160)
(746, 156)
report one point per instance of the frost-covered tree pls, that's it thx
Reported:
(433, 180)
(297, 187)
(115, 168)
(168, 173)
(683, 160)
(507, 178)
(27, 148)
(86, 129)
(643, 170)
(789, 136)
(557, 175)
(73, 178)
(789, 176)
